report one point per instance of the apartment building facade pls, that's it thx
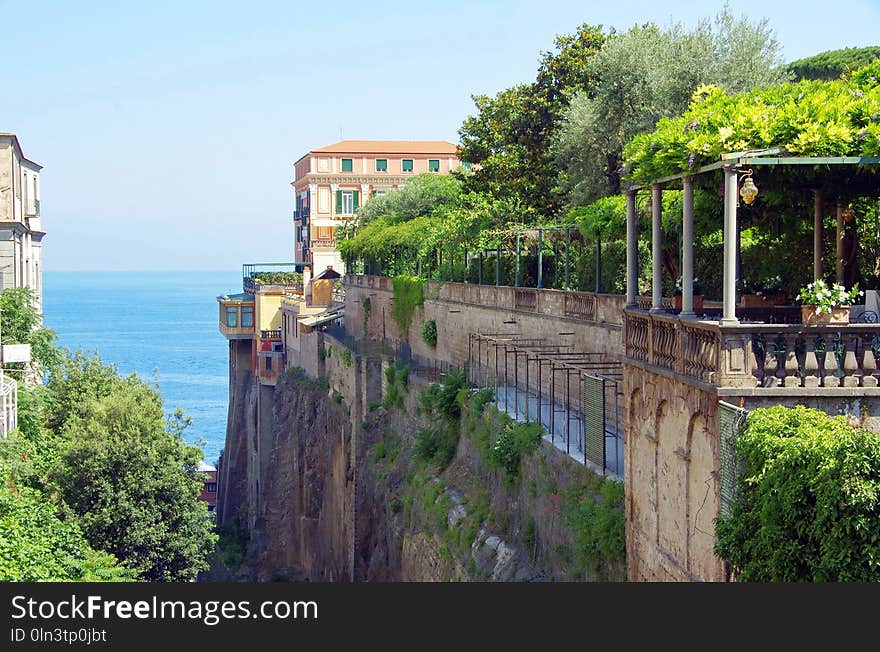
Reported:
(21, 232)
(331, 183)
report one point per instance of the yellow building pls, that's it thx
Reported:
(255, 314)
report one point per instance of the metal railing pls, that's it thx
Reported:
(574, 395)
(250, 272)
(274, 334)
(8, 405)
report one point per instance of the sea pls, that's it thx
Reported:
(161, 326)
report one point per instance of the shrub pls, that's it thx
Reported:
(514, 441)
(443, 398)
(437, 445)
(346, 358)
(808, 506)
(429, 333)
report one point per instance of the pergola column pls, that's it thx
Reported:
(818, 211)
(656, 253)
(728, 314)
(632, 250)
(687, 247)
(839, 242)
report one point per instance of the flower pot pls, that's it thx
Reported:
(838, 315)
(698, 302)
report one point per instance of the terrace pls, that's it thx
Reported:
(274, 277)
(739, 350)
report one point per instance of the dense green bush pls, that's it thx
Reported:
(429, 333)
(808, 507)
(833, 63)
(443, 398)
(512, 442)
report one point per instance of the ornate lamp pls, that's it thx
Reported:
(749, 190)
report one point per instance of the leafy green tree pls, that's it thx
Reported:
(37, 546)
(832, 64)
(130, 482)
(646, 74)
(21, 323)
(510, 134)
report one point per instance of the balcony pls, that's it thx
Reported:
(273, 277)
(324, 245)
(758, 359)
(236, 316)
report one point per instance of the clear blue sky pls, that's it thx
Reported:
(168, 131)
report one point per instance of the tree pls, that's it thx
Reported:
(20, 323)
(646, 74)
(510, 134)
(37, 546)
(832, 64)
(133, 485)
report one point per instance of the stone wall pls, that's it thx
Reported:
(460, 309)
(672, 478)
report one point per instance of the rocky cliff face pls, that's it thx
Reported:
(340, 495)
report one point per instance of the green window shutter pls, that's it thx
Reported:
(433, 165)
(372, 194)
(354, 202)
(338, 202)
(346, 165)
(407, 165)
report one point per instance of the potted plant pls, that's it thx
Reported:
(698, 295)
(827, 304)
(763, 292)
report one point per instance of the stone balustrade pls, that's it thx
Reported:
(589, 306)
(752, 355)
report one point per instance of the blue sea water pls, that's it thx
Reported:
(159, 325)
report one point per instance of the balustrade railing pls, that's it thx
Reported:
(525, 299)
(757, 355)
(582, 306)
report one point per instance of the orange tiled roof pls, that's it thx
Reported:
(389, 147)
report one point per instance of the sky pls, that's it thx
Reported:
(168, 130)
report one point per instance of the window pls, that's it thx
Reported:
(406, 165)
(268, 363)
(211, 487)
(378, 192)
(247, 316)
(381, 165)
(466, 165)
(346, 202)
(231, 316)
(433, 165)
(346, 165)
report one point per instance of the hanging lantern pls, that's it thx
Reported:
(749, 190)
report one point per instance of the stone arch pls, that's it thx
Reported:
(702, 500)
(671, 478)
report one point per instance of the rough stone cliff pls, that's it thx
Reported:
(340, 495)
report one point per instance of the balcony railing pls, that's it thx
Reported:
(757, 355)
(324, 244)
(271, 334)
(284, 276)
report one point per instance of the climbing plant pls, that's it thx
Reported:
(409, 294)
(808, 506)
(429, 333)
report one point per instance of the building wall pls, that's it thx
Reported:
(672, 478)
(268, 312)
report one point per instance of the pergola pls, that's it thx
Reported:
(732, 165)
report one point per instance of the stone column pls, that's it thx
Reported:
(728, 315)
(656, 253)
(632, 251)
(818, 211)
(687, 247)
(839, 242)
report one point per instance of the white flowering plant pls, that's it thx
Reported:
(825, 297)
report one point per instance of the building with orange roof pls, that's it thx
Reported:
(331, 183)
